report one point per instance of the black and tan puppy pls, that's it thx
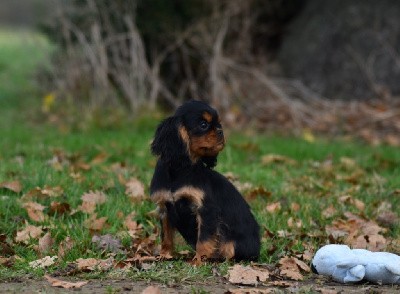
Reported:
(201, 204)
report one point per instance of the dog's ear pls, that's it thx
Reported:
(167, 143)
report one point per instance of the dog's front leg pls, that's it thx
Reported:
(167, 236)
(207, 240)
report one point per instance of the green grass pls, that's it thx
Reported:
(317, 180)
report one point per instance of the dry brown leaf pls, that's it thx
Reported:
(59, 208)
(43, 262)
(295, 206)
(64, 284)
(65, 246)
(45, 243)
(151, 290)
(284, 284)
(134, 190)
(290, 267)
(90, 200)
(7, 261)
(348, 163)
(108, 243)
(99, 158)
(87, 207)
(250, 291)
(247, 275)
(275, 158)
(273, 207)
(29, 232)
(35, 211)
(95, 224)
(387, 219)
(353, 201)
(85, 264)
(45, 192)
(14, 186)
(259, 191)
(302, 265)
(6, 246)
(329, 211)
(292, 223)
(91, 264)
(370, 242)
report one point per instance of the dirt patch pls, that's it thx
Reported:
(214, 286)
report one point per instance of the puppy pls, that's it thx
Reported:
(201, 204)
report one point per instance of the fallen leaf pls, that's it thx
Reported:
(259, 191)
(295, 206)
(6, 247)
(250, 291)
(273, 207)
(59, 208)
(29, 232)
(99, 158)
(91, 264)
(292, 223)
(290, 267)
(90, 200)
(45, 192)
(151, 290)
(7, 261)
(275, 158)
(45, 243)
(95, 224)
(247, 275)
(133, 227)
(14, 186)
(353, 201)
(329, 212)
(348, 163)
(108, 243)
(64, 284)
(43, 262)
(85, 264)
(308, 136)
(35, 211)
(387, 219)
(134, 190)
(65, 246)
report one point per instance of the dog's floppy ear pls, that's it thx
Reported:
(167, 143)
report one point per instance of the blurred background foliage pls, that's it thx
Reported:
(327, 66)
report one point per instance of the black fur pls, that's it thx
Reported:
(225, 216)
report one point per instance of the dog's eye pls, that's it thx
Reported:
(203, 125)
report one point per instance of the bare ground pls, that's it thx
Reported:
(313, 285)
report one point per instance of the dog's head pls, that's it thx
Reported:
(193, 133)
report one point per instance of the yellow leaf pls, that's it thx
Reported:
(48, 101)
(308, 136)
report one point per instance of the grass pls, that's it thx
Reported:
(323, 171)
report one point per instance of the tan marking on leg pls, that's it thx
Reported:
(207, 117)
(195, 195)
(205, 250)
(227, 250)
(167, 242)
(160, 197)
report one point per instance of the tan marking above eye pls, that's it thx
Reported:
(207, 117)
